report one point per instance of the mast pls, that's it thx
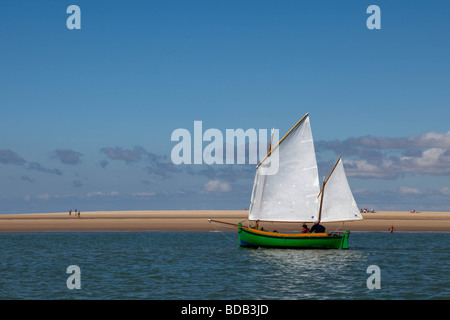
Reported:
(256, 176)
(271, 140)
(321, 201)
(325, 181)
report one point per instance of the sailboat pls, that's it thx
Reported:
(293, 194)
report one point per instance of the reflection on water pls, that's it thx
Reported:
(308, 274)
(413, 266)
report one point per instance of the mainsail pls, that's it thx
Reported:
(338, 202)
(291, 193)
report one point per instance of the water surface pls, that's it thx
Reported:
(209, 265)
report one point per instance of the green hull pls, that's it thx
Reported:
(249, 237)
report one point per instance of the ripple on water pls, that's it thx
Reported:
(207, 265)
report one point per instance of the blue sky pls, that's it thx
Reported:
(87, 115)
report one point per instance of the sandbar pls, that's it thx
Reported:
(197, 220)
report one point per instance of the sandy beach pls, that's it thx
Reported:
(198, 220)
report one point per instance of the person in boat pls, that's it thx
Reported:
(317, 228)
(305, 229)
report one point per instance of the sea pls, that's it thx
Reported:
(159, 265)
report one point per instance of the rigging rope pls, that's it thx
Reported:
(338, 228)
(221, 232)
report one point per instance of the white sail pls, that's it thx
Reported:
(338, 202)
(291, 193)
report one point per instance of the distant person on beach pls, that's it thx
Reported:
(78, 214)
(391, 229)
(317, 228)
(70, 212)
(305, 229)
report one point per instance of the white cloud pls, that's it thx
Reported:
(217, 186)
(44, 196)
(433, 161)
(360, 191)
(365, 169)
(433, 139)
(407, 190)
(445, 191)
(389, 158)
(144, 194)
(99, 193)
(429, 139)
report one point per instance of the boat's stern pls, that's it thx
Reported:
(344, 242)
